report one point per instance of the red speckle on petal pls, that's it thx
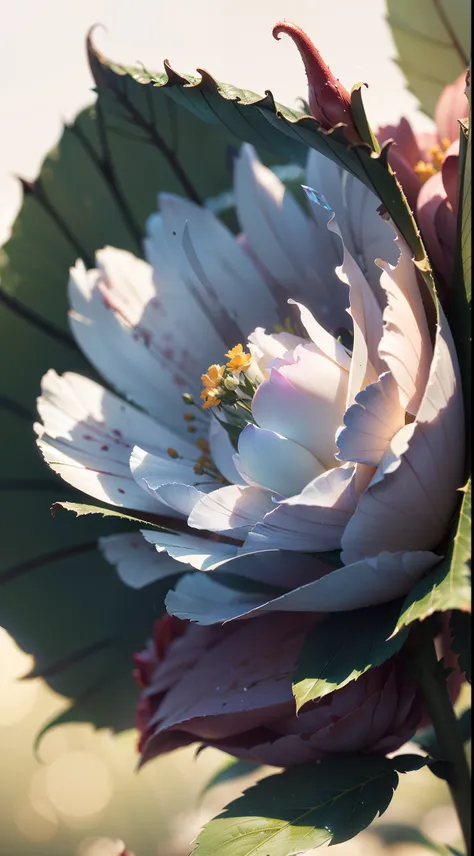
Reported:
(117, 432)
(104, 448)
(120, 490)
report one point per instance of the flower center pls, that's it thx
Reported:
(230, 389)
(426, 169)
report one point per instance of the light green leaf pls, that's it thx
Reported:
(304, 807)
(342, 647)
(60, 599)
(81, 509)
(448, 585)
(401, 833)
(432, 38)
(261, 121)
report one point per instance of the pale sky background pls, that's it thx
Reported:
(44, 76)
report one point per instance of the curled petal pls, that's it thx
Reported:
(413, 495)
(406, 345)
(229, 508)
(371, 422)
(201, 553)
(315, 519)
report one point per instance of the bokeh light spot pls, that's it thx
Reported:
(78, 784)
(16, 697)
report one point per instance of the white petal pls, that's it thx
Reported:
(405, 346)
(371, 422)
(117, 321)
(414, 493)
(218, 274)
(315, 519)
(152, 471)
(274, 462)
(136, 561)
(366, 235)
(366, 583)
(299, 256)
(366, 315)
(201, 553)
(229, 508)
(324, 341)
(222, 452)
(87, 436)
(305, 402)
(180, 497)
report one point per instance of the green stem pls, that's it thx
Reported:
(432, 679)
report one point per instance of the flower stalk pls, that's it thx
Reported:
(431, 675)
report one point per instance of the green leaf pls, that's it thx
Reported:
(60, 599)
(232, 770)
(342, 647)
(261, 121)
(360, 118)
(81, 509)
(426, 738)
(461, 630)
(448, 585)
(432, 38)
(302, 808)
(460, 308)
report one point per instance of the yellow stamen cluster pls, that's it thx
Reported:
(426, 169)
(286, 327)
(211, 382)
(239, 360)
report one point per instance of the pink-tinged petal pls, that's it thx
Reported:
(268, 347)
(450, 174)
(116, 321)
(304, 402)
(315, 519)
(364, 232)
(240, 683)
(438, 224)
(452, 105)
(286, 242)
(406, 345)
(152, 471)
(200, 598)
(259, 450)
(201, 553)
(405, 140)
(229, 508)
(366, 315)
(137, 563)
(218, 275)
(222, 452)
(325, 343)
(371, 422)
(87, 436)
(414, 493)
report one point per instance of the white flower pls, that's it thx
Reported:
(300, 481)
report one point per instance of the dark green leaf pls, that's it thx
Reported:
(360, 118)
(447, 586)
(230, 772)
(461, 630)
(432, 38)
(286, 133)
(426, 738)
(302, 808)
(342, 647)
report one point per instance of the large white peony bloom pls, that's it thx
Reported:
(344, 430)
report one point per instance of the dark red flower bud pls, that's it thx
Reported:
(329, 100)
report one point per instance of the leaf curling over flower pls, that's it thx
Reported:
(329, 101)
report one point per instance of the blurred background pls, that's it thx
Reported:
(79, 794)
